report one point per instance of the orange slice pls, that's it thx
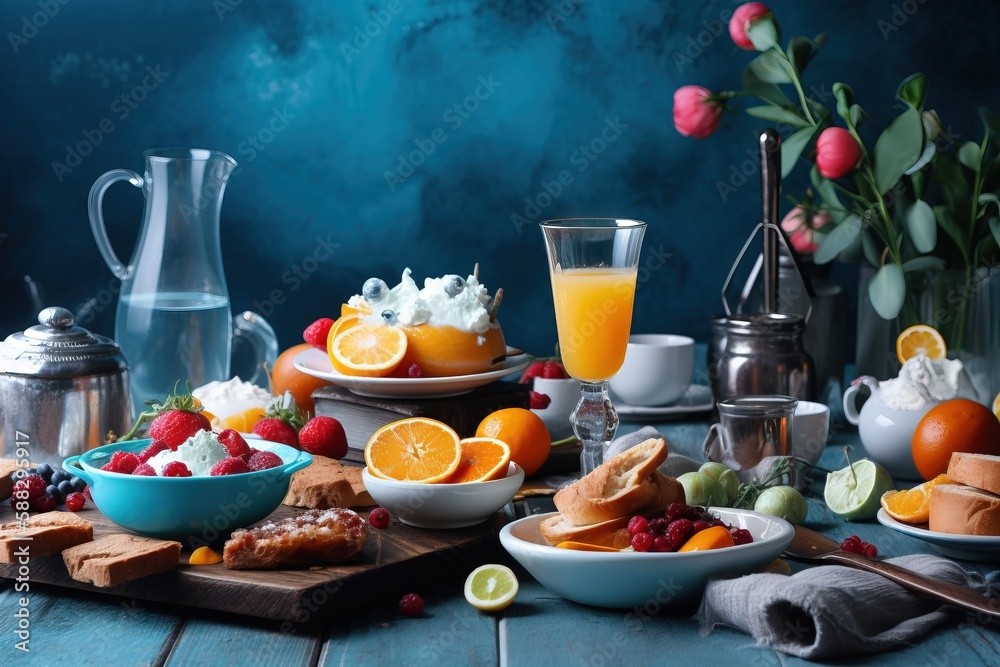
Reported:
(920, 339)
(244, 421)
(351, 310)
(367, 349)
(913, 505)
(483, 459)
(715, 537)
(414, 450)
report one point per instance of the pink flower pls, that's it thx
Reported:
(801, 230)
(742, 18)
(696, 114)
(837, 153)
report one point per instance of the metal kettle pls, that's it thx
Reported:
(62, 389)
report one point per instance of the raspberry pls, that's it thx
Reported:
(317, 332)
(658, 526)
(415, 371)
(642, 541)
(411, 604)
(75, 502)
(551, 370)
(151, 450)
(680, 530)
(233, 442)
(45, 503)
(700, 525)
(176, 469)
(379, 518)
(33, 484)
(229, 466)
(741, 536)
(661, 544)
(144, 470)
(124, 462)
(637, 524)
(263, 461)
(86, 493)
(674, 511)
(538, 401)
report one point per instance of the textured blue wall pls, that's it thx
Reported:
(317, 114)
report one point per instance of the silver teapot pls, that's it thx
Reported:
(62, 389)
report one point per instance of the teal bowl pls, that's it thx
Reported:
(194, 510)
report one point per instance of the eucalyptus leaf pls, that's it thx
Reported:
(778, 115)
(765, 90)
(769, 67)
(989, 198)
(991, 120)
(988, 244)
(792, 147)
(871, 251)
(828, 193)
(887, 289)
(968, 155)
(842, 236)
(921, 224)
(913, 90)
(898, 148)
(801, 50)
(994, 224)
(855, 114)
(853, 253)
(924, 263)
(946, 218)
(763, 32)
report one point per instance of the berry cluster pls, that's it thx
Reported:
(854, 544)
(550, 370)
(679, 522)
(242, 458)
(44, 488)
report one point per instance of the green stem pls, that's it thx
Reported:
(142, 419)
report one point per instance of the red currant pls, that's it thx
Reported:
(411, 604)
(642, 541)
(661, 543)
(637, 524)
(379, 518)
(75, 502)
(869, 550)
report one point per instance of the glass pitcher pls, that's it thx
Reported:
(173, 321)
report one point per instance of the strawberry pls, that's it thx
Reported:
(264, 460)
(317, 332)
(232, 465)
(151, 450)
(174, 420)
(233, 442)
(531, 372)
(144, 470)
(324, 436)
(552, 370)
(276, 430)
(538, 401)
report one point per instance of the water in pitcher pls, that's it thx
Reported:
(171, 336)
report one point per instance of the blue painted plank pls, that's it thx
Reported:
(76, 628)
(232, 640)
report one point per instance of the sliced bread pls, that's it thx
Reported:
(964, 510)
(326, 483)
(616, 488)
(7, 468)
(42, 535)
(115, 559)
(612, 533)
(979, 470)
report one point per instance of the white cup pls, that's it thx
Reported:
(810, 429)
(657, 370)
(563, 395)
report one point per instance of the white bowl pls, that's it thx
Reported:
(657, 369)
(626, 580)
(444, 505)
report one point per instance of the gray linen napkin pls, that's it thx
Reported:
(831, 610)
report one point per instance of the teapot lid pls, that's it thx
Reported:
(57, 348)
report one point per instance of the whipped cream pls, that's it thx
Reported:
(224, 399)
(199, 453)
(921, 381)
(446, 301)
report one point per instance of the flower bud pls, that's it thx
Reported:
(741, 20)
(696, 114)
(800, 229)
(837, 153)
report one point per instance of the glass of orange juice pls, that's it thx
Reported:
(593, 264)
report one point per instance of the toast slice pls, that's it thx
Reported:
(326, 484)
(979, 470)
(42, 535)
(964, 510)
(616, 488)
(7, 468)
(115, 559)
(612, 533)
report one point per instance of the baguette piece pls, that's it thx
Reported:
(612, 533)
(616, 488)
(668, 490)
(964, 510)
(979, 470)
(327, 483)
(44, 535)
(117, 558)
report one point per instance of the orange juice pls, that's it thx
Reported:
(593, 316)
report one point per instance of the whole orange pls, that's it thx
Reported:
(286, 377)
(958, 425)
(523, 432)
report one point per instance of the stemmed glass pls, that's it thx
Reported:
(593, 264)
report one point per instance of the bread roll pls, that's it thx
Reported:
(616, 488)
(613, 533)
(964, 510)
(668, 490)
(979, 470)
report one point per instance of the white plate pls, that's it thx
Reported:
(316, 363)
(697, 398)
(965, 547)
(628, 579)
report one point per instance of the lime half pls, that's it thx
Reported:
(854, 492)
(491, 587)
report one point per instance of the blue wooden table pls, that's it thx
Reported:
(74, 628)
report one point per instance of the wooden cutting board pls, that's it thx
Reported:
(395, 561)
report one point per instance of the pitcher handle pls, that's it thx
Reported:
(94, 207)
(851, 411)
(250, 327)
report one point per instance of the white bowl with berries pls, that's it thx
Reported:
(553, 396)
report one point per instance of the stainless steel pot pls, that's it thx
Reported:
(62, 389)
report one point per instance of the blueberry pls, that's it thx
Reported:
(78, 484)
(57, 476)
(66, 487)
(54, 492)
(389, 316)
(454, 286)
(45, 470)
(29, 471)
(374, 289)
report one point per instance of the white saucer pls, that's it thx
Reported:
(697, 398)
(316, 363)
(965, 547)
